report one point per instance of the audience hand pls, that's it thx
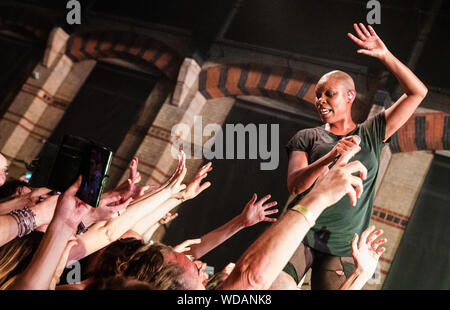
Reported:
(70, 210)
(338, 181)
(194, 188)
(367, 254)
(185, 245)
(256, 211)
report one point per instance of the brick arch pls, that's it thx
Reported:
(126, 45)
(26, 22)
(423, 131)
(256, 80)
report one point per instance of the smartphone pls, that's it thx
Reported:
(72, 156)
(95, 175)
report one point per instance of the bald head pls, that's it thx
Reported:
(339, 76)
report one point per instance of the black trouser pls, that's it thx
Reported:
(328, 271)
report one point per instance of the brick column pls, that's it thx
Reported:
(42, 101)
(135, 136)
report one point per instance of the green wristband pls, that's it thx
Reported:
(306, 213)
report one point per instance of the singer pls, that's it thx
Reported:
(326, 248)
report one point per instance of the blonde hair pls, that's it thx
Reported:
(15, 256)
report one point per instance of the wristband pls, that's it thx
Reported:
(306, 213)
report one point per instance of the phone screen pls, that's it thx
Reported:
(95, 175)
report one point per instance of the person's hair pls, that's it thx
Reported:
(118, 283)
(15, 257)
(148, 264)
(108, 262)
(10, 188)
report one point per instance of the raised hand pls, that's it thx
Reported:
(185, 245)
(110, 204)
(69, 208)
(339, 180)
(367, 254)
(194, 188)
(369, 42)
(348, 145)
(130, 189)
(256, 211)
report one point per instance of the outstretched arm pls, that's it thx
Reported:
(69, 212)
(415, 90)
(302, 175)
(103, 233)
(259, 266)
(145, 226)
(253, 213)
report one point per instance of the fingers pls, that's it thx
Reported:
(354, 139)
(374, 235)
(358, 185)
(355, 244)
(204, 186)
(74, 187)
(377, 243)
(356, 166)
(355, 39)
(372, 31)
(264, 199)
(380, 251)
(365, 234)
(365, 52)
(252, 201)
(366, 33)
(351, 193)
(111, 199)
(270, 219)
(121, 206)
(184, 246)
(204, 169)
(269, 205)
(359, 32)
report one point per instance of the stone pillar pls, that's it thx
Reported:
(42, 101)
(187, 78)
(135, 136)
(394, 203)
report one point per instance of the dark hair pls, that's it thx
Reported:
(118, 283)
(10, 187)
(148, 264)
(113, 255)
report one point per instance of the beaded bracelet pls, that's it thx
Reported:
(26, 220)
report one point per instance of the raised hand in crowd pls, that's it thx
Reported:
(194, 188)
(254, 212)
(68, 214)
(365, 255)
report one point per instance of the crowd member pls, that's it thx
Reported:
(14, 188)
(107, 260)
(326, 247)
(69, 212)
(260, 265)
(21, 222)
